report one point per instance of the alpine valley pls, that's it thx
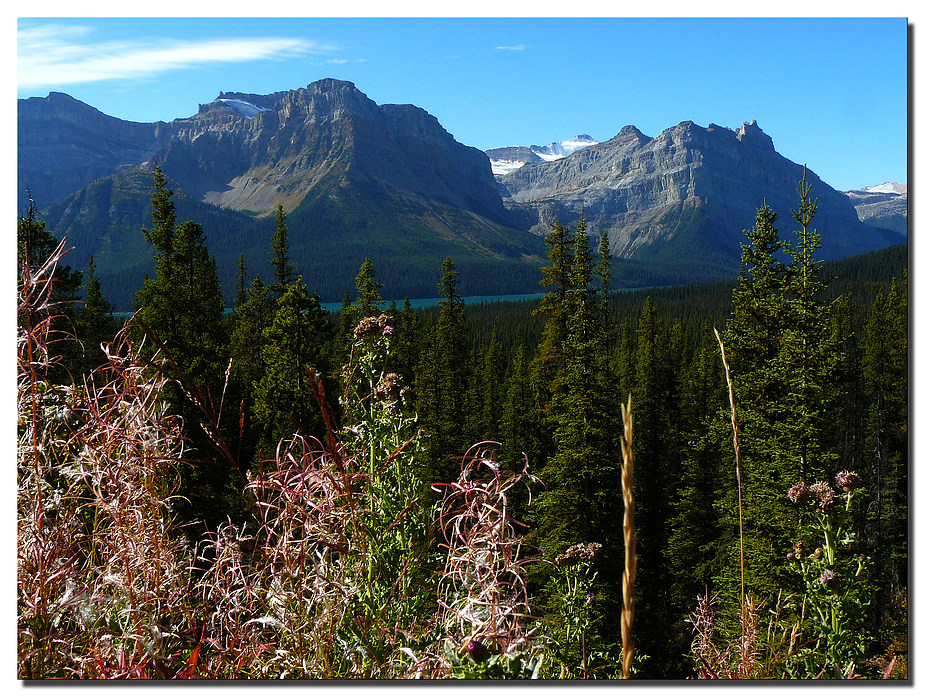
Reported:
(388, 182)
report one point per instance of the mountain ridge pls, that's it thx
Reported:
(360, 179)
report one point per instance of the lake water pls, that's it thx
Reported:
(417, 302)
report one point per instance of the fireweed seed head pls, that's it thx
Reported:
(827, 580)
(849, 481)
(799, 493)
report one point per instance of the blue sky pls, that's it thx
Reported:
(831, 92)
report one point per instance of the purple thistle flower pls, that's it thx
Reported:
(799, 493)
(477, 651)
(849, 481)
(827, 580)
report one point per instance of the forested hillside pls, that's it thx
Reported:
(691, 481)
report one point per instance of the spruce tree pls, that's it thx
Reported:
(443, 380)
(369, 291)
(95, 321)
(284, 402)
(283, 270)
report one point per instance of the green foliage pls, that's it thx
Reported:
(283, 271)
(95, 323)
(835, 589)
(442, 379)
(284, 402)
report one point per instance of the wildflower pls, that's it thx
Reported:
(849, 481)
(790, 556)
(578, 553)
(477, 651)
(389, 387)
(373, 326)
(818, 553)
(799, 548)
(829, 503)
(824, 496)
(827, 580)
(799, 493)
(821, 490)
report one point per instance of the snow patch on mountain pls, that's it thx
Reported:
(501, 167)
(886, 188)
(547, 153)
(239, 106)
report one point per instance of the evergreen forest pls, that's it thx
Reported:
(703, 481)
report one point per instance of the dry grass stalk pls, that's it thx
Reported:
(735, 445)
(629, 537)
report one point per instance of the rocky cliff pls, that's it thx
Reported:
(356, 179)
(64, 144)
(883, 206)
(683, 197)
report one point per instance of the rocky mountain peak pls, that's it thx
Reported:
(751, 134)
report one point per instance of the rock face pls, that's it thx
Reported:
(63, 145)
(253, 152)
(355, 178)
(358, 180)
(681, 198)
(884, 206)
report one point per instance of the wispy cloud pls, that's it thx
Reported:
(518, 47)
(57, 55)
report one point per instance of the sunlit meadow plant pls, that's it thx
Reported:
(102, 573)
(836, 591)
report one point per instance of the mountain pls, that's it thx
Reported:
(682, 199)
(506, 160)
(64, 144)
(884, 206)
(356, 179)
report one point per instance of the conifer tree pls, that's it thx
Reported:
(95, 322)
(406, 345)
(183, 306)
(885, 379)
(604, 268)
(251, 319)
(549, 362)
(443, 379)
(490, 389)
(284, 402)
(283, 271)
(240, 292)
(369, 291)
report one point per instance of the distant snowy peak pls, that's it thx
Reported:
(239, 106)
(886, 188)
(555, 151)
(506, 160)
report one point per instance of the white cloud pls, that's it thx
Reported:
(56, 55)
(518, 47)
